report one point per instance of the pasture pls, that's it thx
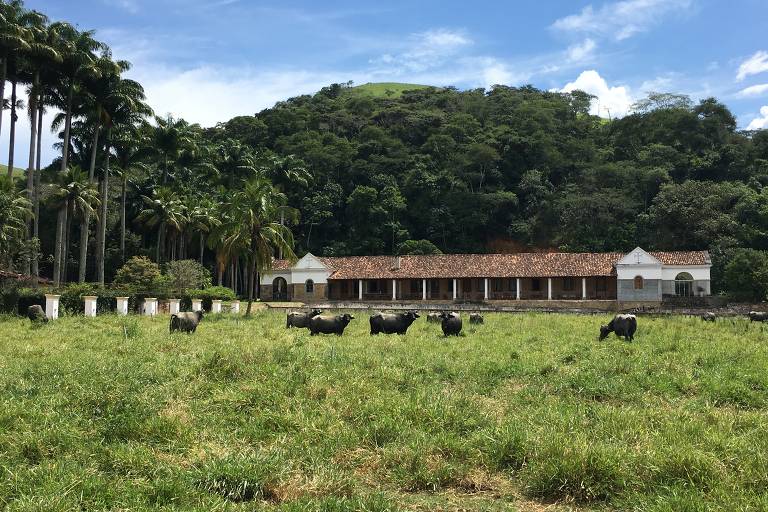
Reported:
(526, 412)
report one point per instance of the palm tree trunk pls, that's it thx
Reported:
(103, 217)
(3, 75)
(202, 247)
(58, 248)
(251, 283)
(70, 215)
(85, 225)
(36, 195)
(123, 189)
(31, 166)
(12, 140)
(67, 127)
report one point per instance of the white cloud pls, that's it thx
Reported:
(760, 123)
(620, 20)
(127, 5)
(754, 90)
(610, 102)
(582, 51)
(757, 63)
(426, 50)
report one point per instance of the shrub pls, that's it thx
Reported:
(186, 275)
(746, 275)
(209, 294)
(139, 274)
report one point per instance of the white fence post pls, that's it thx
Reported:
(90, 305)
(150, 306)
(174, 306)
(52, 306)
(122, 305)
(216, 306)
(197, 304)
(234, 307)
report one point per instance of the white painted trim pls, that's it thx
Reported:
(394, 289)
(485, 288)
(423, 289)
(549, 288)
(455, 291)
(517, 288)
(584, 288)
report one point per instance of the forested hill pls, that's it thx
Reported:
(467, 169)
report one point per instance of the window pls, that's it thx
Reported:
(568, 284)
(638, 282)
(536, 285)
(309, 286)
(684, 284)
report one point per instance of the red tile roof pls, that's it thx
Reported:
(557, 264)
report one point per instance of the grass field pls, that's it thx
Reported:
(526, 412)
(385, 89)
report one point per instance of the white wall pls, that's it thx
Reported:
(268, 277)
(318, 276)
(646, 271)
(698, 272)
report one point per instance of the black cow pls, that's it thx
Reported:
(329, 324)
(758, 316)
(36, 314)
(475, 318)
(709, 316)
(622, 325)
(186, 322)
(300, 319)
(433, 317)
(392, 323)
(450, 323)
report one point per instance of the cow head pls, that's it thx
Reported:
(604, 331)
(199, 314)
(346, 318)
(411, 315)
(315, 312)
(447, 314)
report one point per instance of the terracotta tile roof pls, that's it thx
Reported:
(683, 257)
(556, 264)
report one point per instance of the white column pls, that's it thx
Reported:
(485, 288)
(423, 289)
(52, 306)
(216, 306)
(197, 304)
(584, 288)
(174, 306)
(122, 305)
(90, 305)
(234, 307)
(455, 291)
(360, 289)
(517, 288)
(549, 288)
(150, 306)
(394, 289)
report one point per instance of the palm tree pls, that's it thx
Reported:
(12, 41)
(164, 211)
(14, 209)
(73, 194)
(79, 62)
(203, 217)
(170, 138)
(252, 228)
(129, 146)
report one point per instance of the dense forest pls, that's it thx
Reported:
(354, 170)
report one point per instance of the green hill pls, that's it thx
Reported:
(18, 173)
(385, 89)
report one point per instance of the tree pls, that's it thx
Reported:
(14, 209)
(252, 227)
(139, 274)
(418, 247)
(165, 212)
(746, 275)
(186, 275)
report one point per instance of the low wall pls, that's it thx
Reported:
(497, 305)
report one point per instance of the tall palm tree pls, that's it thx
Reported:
(73, 194)
(130, 148)
(12, 41)
(164, 211)
(252, 228)
(170, 138)
(203, 217)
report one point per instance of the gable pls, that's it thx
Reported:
(310, 261)
(638, 257)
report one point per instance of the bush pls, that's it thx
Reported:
(186, 275)
(418, 247)
(29, 297)
(746, 275)
(139, 274)
(209, 294)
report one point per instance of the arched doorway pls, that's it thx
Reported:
(280, 289)
(684, 284)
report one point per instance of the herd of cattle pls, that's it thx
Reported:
(623, 325)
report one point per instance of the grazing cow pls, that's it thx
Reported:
(622, 325)
(392, 323)
(758, 316)
(475, 318)
(433, 317)
(329, 324)
(186, 322)
(709, 316)
(36, 314)
(300, 319)
(450, 323)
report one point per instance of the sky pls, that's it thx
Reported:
(210, 60)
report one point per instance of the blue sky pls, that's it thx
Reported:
(209, 60)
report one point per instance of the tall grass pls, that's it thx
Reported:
(525, 411)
